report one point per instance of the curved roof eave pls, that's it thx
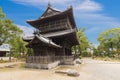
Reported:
(68, 12)
(46, 41)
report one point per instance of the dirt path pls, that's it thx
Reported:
(9, 64)
(90, 70)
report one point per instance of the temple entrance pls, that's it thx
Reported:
(68, 52)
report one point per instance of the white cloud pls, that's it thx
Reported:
(89, 5)
(87, 12)
(42, 2)
(84, 5)
(91, 30)
(98, 20)
(28, 31)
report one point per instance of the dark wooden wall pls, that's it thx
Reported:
(2, 53)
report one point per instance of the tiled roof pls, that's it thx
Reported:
(45, 41)
(5, 47)
(52, 34)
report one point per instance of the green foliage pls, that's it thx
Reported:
(18, 46)
(30, 51)
(8, 30)
(80, 57)
(110, 42)
(96, 52)
(84, 44)
(16, 55)
(11, 34)
(82, 39)
(3, 61)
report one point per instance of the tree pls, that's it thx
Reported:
(11, 34)
(8, 30)
(18, 46)
(110, 42)
(84, 43)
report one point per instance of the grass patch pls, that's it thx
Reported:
(13, 67)
(107, 59)
(3, 61)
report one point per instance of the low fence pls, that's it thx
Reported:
(6, 58)
(47, 59)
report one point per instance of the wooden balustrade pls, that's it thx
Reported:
(54, 25)
(47, 59)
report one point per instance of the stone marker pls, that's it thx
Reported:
(78, 61)
(72, 72)
(69, 72)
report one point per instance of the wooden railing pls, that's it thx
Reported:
(47, 59)
(53, 25)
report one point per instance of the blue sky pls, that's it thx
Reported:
(94, 15)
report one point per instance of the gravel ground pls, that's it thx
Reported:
(100, 70)
(89, 70)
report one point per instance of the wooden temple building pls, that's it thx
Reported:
(53, 39)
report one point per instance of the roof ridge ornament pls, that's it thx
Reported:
(49, 4)
(36, 32)
(70, 7)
